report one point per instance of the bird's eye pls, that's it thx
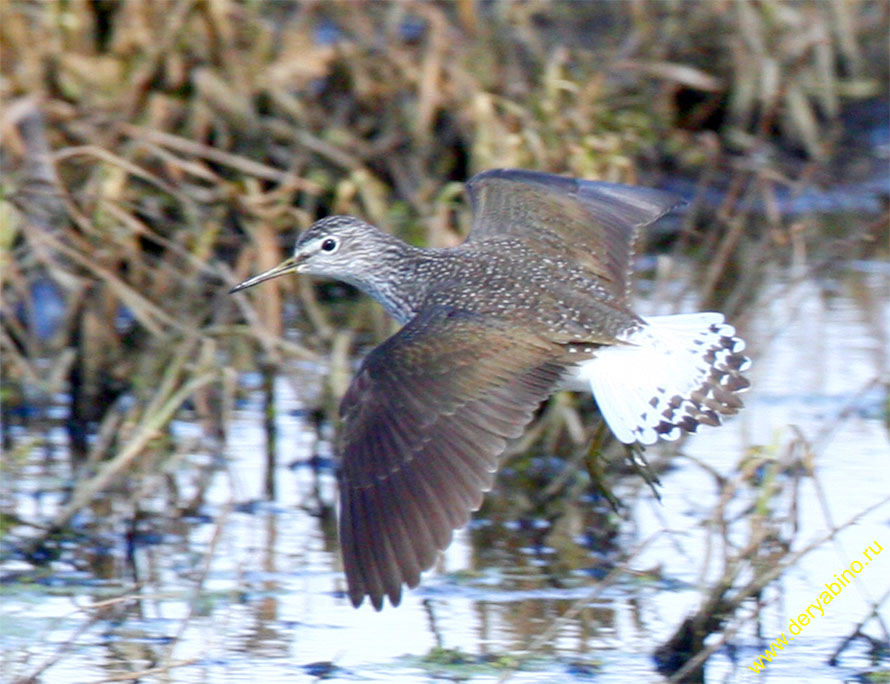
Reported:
(329, 245)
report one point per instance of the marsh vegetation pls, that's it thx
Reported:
(167, 481)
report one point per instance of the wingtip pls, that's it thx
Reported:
(377, 601)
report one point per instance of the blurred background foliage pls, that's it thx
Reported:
(155, 153)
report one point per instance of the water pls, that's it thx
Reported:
(246, 590)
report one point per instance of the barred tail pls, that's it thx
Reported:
(672, 375)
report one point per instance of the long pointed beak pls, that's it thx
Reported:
(287, 266)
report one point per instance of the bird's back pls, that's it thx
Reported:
(507, 279)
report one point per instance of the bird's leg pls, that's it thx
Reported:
(635, 454)
(595, 465)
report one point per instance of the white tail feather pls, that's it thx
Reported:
(668, 376)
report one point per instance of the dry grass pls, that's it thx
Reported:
(155, 153)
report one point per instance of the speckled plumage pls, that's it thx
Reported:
(537, 295)
(552, 296)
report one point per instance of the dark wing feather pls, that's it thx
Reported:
(594, 223)
(425, 421)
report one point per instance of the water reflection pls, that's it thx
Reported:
(242, 588)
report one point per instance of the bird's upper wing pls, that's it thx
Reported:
(425, 421)
(593, 223)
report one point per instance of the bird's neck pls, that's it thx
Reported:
(400, 282)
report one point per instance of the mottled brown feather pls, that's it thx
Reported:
(420, 446)
(595, 223)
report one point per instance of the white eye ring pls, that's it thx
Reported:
(330, 245)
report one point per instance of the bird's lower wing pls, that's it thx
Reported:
(425, 421)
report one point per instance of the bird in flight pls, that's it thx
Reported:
(536, 299)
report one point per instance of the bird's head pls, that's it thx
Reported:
(339, 247)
